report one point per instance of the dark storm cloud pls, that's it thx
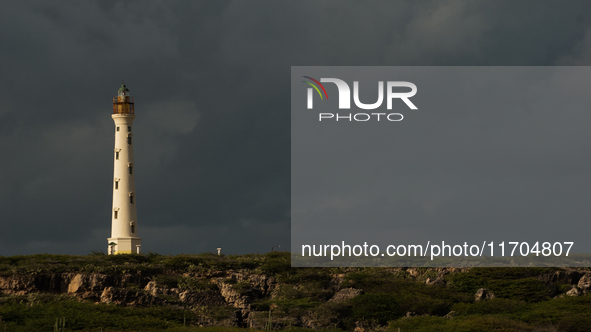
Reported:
(211, 82)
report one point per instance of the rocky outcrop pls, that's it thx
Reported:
(88, 286)
(154, 289)
(574, 292)
(258, 286)
(345, 294)
(583, 286)
(585, 283)
(124, 296)
(130, 289)
(335, 282)
(562, 277)
(263, 284)
(237, 299)
(203, 298)
(438, 281)
(441, 271)
(483, 294)
(411, 314)
(451, 314)
(83, 286)
(17, 285)
(29, 283)
(76, 284)
(242, 298)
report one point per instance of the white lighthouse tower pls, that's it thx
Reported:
(124, 231)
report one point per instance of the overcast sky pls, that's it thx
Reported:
(211, 82)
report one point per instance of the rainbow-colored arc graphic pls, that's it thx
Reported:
(315, 87)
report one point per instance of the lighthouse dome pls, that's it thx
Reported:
(123, 88)
(123, 92)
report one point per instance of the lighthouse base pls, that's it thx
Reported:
(124, 245)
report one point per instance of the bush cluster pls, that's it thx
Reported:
(523, 301)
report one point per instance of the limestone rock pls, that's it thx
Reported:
(310, 322)
(264, 284)
(18, 284)
(439, 281)
(563, 277)
(413, 271)
(124, 296)
(151, 288)
(233, 297)
(359, 327)
(574, 292)
(154, 289)
(87, 282)
(345, 294)
(585, 283)
(203, 298)
(451, 314)
(335, 282)
(483, 294)
(258, 286)
(28, 283)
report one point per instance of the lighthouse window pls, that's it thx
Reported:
(131, 199)
(129, 128)
(116, 184)
(130, 169)
(117, 128)
(129, 140)
(117, 155)
(115, 214)
(132, 227)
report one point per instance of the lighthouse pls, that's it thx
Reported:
(124, 228)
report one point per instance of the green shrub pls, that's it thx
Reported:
(527, 289)
(260, 306)
(295, 307)
(242, 287)
(334, 314)
(321, 276)
(513, 283)
(563, 288)
(21, 315)
(494, 306)
(181, 263)
(575, 324)
(460, 324)
(221, 313)
(276, 262)
(169, 281)
(379, 307)
(360, 280)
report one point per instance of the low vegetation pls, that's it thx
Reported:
(301, 299)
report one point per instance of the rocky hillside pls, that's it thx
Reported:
(264, 292)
